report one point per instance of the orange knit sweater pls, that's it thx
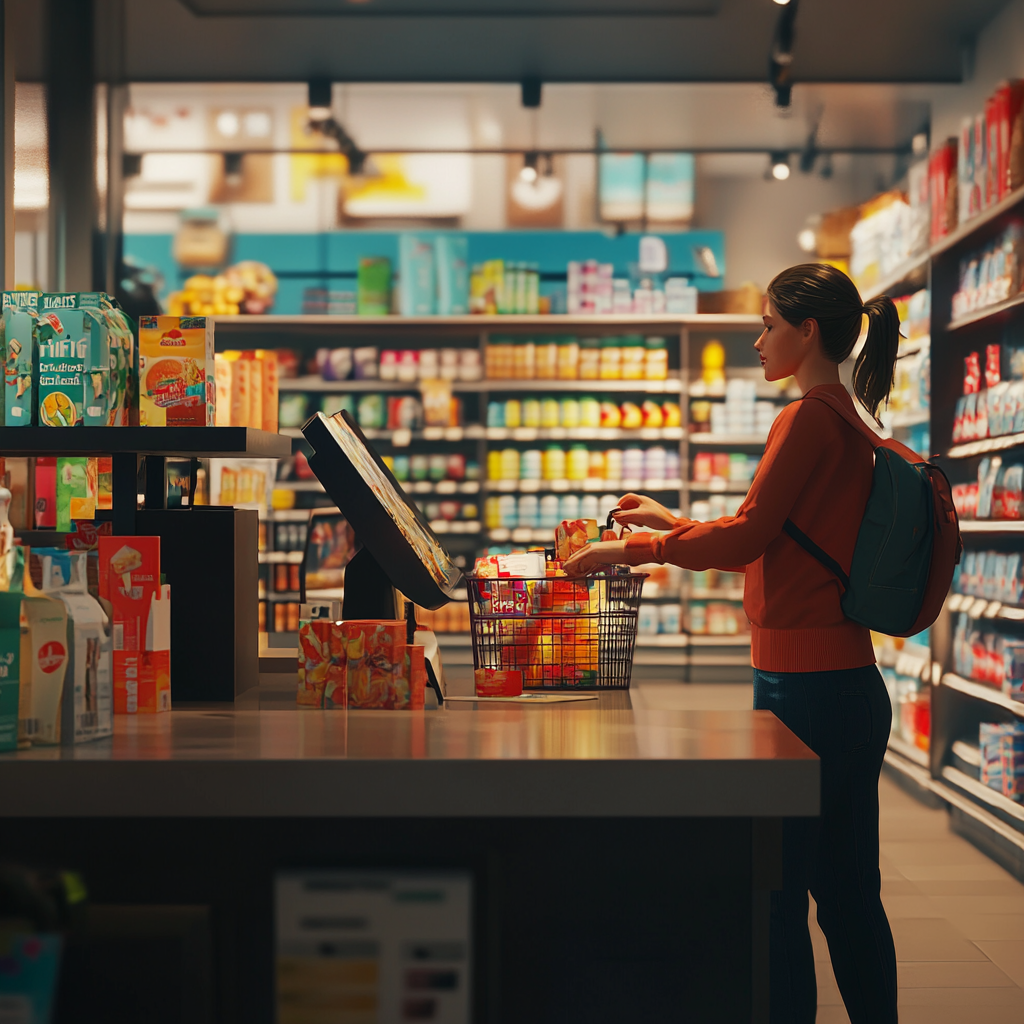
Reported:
(816, 471)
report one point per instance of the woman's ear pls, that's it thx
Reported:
(809, 332)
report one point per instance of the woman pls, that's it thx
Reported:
(813, 668)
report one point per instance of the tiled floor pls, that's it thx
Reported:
(957, 917)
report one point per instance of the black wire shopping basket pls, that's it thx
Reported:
(562, 633)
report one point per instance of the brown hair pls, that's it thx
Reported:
(820, 292)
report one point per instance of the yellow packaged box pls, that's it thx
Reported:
(176, 372)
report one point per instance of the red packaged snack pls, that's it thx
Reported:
(494, 682)
(972, 374)
(992, 359)
(943, 187)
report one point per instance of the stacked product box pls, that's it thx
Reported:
(359, 663)
(176, 371)
(1001, 746)
(129, 580)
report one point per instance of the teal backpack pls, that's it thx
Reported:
(908, 543)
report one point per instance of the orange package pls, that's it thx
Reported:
(573, 535)
(379, 669)
(322, 664)
(493, 682)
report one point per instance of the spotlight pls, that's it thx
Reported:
(233, 169)
(780, 58)
(807, 240)
(531, 88)
(782, 3)
(319, 93)
(780, 166)
(528, 172)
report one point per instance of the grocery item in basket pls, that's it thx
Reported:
(572, 536)
(496, 682)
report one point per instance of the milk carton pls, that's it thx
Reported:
(87, 708)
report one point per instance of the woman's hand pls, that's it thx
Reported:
(594, 556)
(639, 510)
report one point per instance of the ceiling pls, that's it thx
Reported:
(481, 41)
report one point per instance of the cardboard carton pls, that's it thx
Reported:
(176, 371)
(20, 310)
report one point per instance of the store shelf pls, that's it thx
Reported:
(721, 640)
(590, 485)
(471, 432)
(318, 384)
(583, 434)
(441, 486)
(277, 557)
(984, 793)
(909, 419)
(717, 487)
(978, 315)
(989, 444)
(293, 515)
(730, 594)
(964, 231)
(244, 325)
(981, 692)
(718, 440)
(982, 608)
(901, 275)
(172, 442)
(908, 750)
(281, 595)
(967, 752)
(991, 526)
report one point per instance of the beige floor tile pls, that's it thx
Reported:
(1007, 954)
(945, 851)
(987, 871)
(977, 903)
(953, 1014)
(976, 1000)
(830, 1014)
(900, 887)
(917, 905)
(931, 938)
(989, 926)
(972, 974)
(1007, 886)
(828, 990)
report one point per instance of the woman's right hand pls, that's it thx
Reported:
(639, 510)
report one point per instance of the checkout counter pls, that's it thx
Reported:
(619, 861)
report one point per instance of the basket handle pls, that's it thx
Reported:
(609, 528)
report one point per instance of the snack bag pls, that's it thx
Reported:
(176, 371)
(20, 310)
(574, 535)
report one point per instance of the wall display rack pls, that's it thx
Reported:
(959, 705)
(471, 532)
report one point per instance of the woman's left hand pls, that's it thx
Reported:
(594, 556)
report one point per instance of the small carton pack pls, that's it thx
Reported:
(376, 672)
(233, 377)
(573, 535)
(76, 490)
(129, 579)
(88, 705)
(176, 372)
(498, 682)
(75, 361)
(322, 665)
(44, 660)
(20, 310)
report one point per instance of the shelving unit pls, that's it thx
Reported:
(958, 705)
(474, 438)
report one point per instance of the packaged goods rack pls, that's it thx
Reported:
(950, 770)
(684, 335)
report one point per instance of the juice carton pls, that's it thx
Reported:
(20, 310)
(10, 667)
(122, 365)
(176, 371)
(268, 358)
(233, 378)
(76, 490)
(75, 360)
(44, 660)
(87, 711)
(129, 579)
(322, 682)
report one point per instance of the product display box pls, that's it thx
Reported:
(129, 578)
(20, 310)
(176, 372)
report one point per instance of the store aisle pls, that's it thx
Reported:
(957, 917)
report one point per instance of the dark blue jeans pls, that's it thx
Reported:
(844, 718)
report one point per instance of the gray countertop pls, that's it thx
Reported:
(497, 762)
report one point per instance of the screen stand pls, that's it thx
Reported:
(368, 592)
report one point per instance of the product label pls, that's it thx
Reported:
(51, 656)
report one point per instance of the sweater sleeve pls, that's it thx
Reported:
(799, 438)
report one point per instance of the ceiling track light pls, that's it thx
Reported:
(780, 57)
(233, 169)
(780, 166)
(528, 172)
(318, 92)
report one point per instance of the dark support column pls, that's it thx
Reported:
(766, 863)
(7, 142)
(125, 486)
(156, 482)
(71, 120)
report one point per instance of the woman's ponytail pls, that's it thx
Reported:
(821, 292)
(876, 364)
